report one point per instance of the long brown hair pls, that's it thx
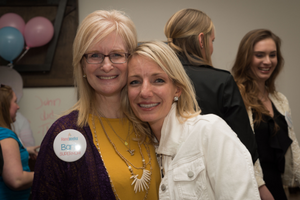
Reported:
(182, 31)
(6, 95)
(246, 79)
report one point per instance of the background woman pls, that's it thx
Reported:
(191, 34)
(114, 165)
(257, 65)
(16, 178)
(202, 158)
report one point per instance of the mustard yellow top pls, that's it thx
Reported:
(116, 167)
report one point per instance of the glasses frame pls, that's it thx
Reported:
(86, 57)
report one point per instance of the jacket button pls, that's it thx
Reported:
(163, 187)
(190, 174)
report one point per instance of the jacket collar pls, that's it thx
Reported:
(172, 134)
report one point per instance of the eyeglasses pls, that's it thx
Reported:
(97, 58)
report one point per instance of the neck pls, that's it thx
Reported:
(262, 90)
(110, 107)
(156, 130)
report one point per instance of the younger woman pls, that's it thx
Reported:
(201, 157)
(257, 65)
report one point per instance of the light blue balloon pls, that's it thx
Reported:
(11, 43)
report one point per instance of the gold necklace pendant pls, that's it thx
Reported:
(131, 151)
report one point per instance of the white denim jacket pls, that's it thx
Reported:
(203, 159)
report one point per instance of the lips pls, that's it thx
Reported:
(264, 69)
(148, 105)
(107, 77)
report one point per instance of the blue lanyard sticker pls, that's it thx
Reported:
(288, 119)
(69, 145)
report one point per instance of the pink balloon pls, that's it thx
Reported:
(12, 20)
(38, 32)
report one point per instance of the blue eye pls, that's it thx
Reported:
(159, 80)
(117, 55)
(95, 55)
(134, 82)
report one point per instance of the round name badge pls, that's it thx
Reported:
(69, 145)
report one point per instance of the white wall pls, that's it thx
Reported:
(232, 19)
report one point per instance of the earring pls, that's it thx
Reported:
(84, 76)
(175, 98)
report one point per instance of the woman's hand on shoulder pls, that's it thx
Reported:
(264, 193)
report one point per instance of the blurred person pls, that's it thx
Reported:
(191, 33)
(257, 65)
(16, 178)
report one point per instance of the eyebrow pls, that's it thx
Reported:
(115, 50)
(265, 52)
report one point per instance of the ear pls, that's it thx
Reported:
(201, 39)
(178, 92)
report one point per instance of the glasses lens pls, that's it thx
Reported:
(118, 58)
(94, 58)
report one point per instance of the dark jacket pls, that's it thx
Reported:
(218, 93)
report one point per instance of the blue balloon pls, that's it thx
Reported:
(11, 43)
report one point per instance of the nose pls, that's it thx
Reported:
(146, 90)
(267, 60)
(106, 65)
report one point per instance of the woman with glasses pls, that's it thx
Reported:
(16, 178)
(117, 162)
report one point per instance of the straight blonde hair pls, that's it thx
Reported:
(182, 31)
(94, 28)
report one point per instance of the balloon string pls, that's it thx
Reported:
(27, 48)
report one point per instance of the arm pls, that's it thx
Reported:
(13, 174)
(235, 115)
(229, 164)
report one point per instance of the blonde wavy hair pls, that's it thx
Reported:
(182, 31)
(94, 28)
(166, 58)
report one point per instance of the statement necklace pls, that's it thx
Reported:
(139, 184)
(131, 151)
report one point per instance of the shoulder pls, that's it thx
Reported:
(207, 121)
(6, 133)
(68, 121)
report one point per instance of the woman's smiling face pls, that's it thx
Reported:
(264, 59)
(150, 90)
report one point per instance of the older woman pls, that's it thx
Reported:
(16, 178)
(191, 34)
(107, 163)
(257, 65)
(202, 158)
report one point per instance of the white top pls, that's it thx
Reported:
(22, 128)
(204, 159)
